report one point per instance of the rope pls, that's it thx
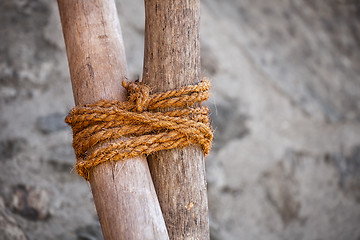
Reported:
(108, 131)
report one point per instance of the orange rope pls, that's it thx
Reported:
(113, 130)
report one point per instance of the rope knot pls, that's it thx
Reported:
(138, 94)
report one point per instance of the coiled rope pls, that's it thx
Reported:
(114, 130)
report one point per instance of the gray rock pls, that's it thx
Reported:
(9, 229)
(10, 147)
(26, 68)
(348, 166)
(228, 122)
(62, 157)
(89, 232)
(305, 47)
(51, 123)
(7, 92)
(281, 188)
(63, 237)
(30, 203)
(209, 62)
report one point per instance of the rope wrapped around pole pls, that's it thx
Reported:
(116, 130)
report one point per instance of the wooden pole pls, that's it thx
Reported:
(172, 60)
(124, 194)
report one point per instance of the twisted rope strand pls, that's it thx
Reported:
(109, 131)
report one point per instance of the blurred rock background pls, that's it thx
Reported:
(285, 109)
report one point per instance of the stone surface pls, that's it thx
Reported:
(62, 157)
(30, 203)
(9, 228)
(51, 123)
(228, 123)
(285, 109)
(90, 232)
(10, 147)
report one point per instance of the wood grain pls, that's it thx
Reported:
(172, 60)
(123, 192)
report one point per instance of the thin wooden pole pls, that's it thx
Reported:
(123, 192)
(172, 60)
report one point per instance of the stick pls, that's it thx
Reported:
(172, 60)
(124, 195)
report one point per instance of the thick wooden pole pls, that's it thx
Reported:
(172, 60)
(124, 195)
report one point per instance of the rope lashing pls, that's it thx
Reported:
(114, 130)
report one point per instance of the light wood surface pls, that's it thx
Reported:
(172, 60)
(123, 192)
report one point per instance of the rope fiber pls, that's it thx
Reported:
(146, 123)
